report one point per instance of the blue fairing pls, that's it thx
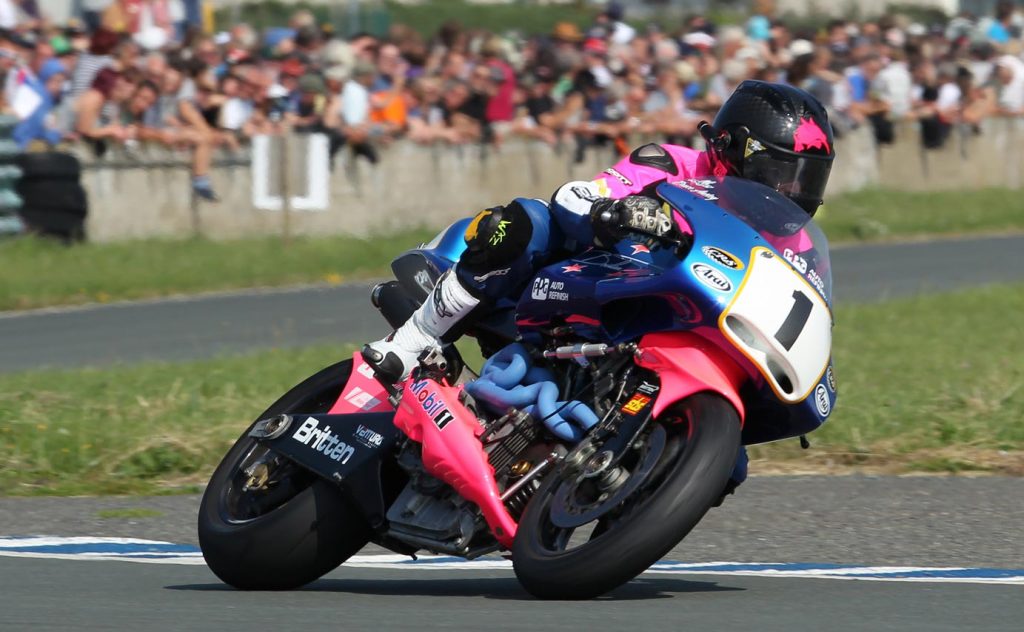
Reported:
(636, 287)
(445, 249)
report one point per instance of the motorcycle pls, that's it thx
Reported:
(607, 419)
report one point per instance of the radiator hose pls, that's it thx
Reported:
(509, 379)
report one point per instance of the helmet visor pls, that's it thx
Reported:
(801, 178)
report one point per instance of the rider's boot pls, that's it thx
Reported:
(394, 357)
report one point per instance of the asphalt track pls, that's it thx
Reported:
(93, 595)
(198, 327)
(849, 520)
(925, 521)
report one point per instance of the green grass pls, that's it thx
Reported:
(931, 384)
(140, 428)
(934, 384)
(128, 514)
(877, 214)
(39, 274)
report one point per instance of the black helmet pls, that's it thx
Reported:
(774, 134)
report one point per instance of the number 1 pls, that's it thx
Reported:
(795, 321)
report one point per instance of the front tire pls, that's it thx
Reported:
(684, 468)
(295, 529)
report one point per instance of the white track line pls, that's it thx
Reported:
(157, 552)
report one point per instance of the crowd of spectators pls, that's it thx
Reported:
(136, 71)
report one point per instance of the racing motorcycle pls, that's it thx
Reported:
(607, 419)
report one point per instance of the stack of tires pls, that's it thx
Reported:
(53, 200)
(10, 203)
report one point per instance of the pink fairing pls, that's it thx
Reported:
(431, 414)
(362, 393)
(689, 163)
(629, 178)
(688, 364)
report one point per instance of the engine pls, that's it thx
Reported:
(430, 515)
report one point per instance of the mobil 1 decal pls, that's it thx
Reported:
(431, 403)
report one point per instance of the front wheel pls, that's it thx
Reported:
(267, 524)
(578, 541)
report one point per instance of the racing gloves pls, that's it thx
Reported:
(613, 219)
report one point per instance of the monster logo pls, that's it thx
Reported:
(809, 136)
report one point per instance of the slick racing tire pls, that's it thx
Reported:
(294, 529)
(676, 478)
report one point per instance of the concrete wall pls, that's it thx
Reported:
(416, 185)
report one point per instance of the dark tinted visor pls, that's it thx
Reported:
(802, 178)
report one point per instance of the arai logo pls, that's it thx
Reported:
(711, 277)
(821, 400)
(722, 257)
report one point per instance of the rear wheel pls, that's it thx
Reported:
(267, 524)
(577, 540)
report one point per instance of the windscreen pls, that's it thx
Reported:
(780, 221)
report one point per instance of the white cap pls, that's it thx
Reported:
(747, 52)
(800, 47)
(895, 37)
(699, 38)
(916, 29)
(222, 38)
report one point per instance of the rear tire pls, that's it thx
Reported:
(299, 537)
(692, 469)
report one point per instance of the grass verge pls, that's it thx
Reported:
(40, 274)
(880, 214)
(143, 428)
(930, 384)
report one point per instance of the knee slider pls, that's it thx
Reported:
(496, 237)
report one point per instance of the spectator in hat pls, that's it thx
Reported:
(349, 113)
(11, 15)
(1010, 75)
(20, 92)
(595, 57)
(612, 19)
(39, 123)
(148, 22)
(312, 90)
(98, 56)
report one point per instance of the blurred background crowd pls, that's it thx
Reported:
(154, 71)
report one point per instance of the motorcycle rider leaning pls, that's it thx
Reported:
(770, 133)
